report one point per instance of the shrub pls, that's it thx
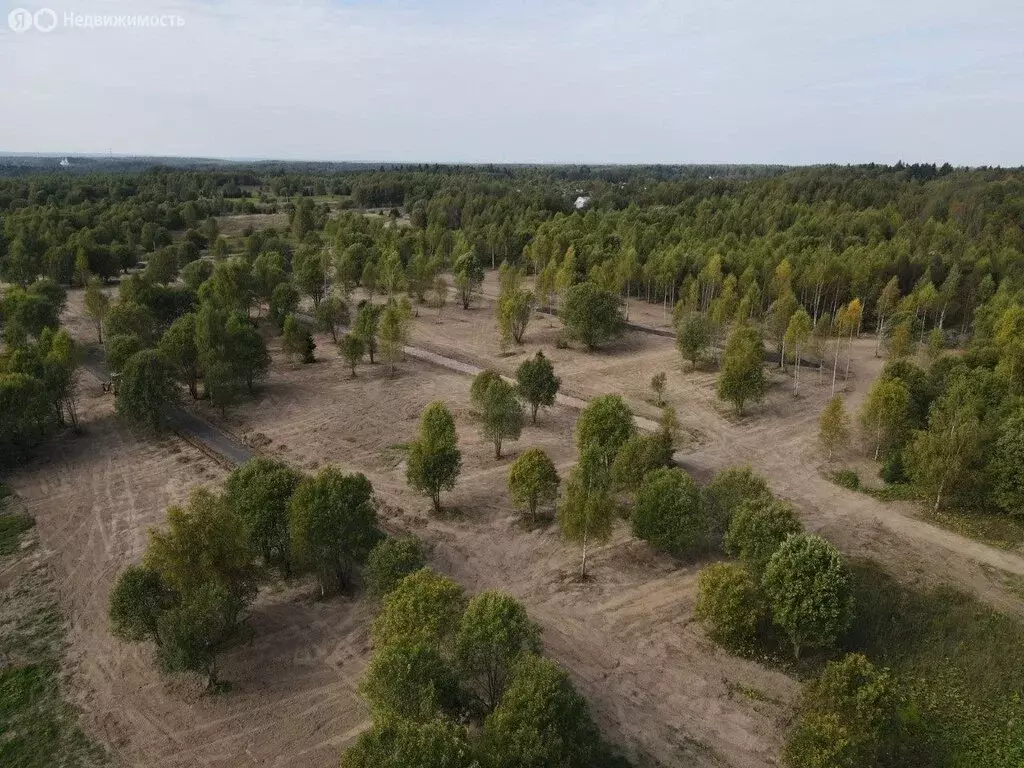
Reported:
(639, 455)
(669, 514)
(758, 529)
(730, 605)
(846, 478)
(730, 488)
(846, 718)
(390, 561)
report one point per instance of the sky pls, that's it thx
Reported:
(598, 81)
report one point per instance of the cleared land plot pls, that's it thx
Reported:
(292, 697)
(657, 685)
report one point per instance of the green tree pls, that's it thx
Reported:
(603, 428)
(333, 525)
(268, 272)
(178, 347)
(394, 330)
(162, 266)
(514, 315)
(146, 390)
(425, 608)
(297, 341)
(501, 417)
(469, 276)
(797, 333)
(331, 313)
(1007, 464)
(137, 600)
(668, 513)
(193, 632)
(940, 458)
(230, 286)
(742, 378)
(587, 513)
(365, 328)
(409, 681)
(398, 743)
(434, 459)
(808, 589)
(119, 349)
(638, 456)
(309, 273)
(493, 636)
(97, 304)
(847, 717)
(27, 416)
(901, 342)
(536, 383)
(205, 543)
(693, 336)
(390, 561)
(591, 315)
(729, 604)
(726, 491)
(195, 273)
(884, 415)
(758, 528)
(247, 353)
(834, 426)
(541, 722)
(260, 492)
(885, 306)
(284, 301)
(352, 349)
(126, 317)
(533, 481)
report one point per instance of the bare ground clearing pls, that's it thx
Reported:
(778, 438)
(293, 697)
(658, 687)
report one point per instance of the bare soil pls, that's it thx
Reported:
(293, 697)
(657, 686)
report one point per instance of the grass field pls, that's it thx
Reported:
(961, 665)
(38, 726)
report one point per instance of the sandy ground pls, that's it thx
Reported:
(657, 686)
(777, 437)
(292, 699)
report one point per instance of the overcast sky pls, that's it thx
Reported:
(767, 81)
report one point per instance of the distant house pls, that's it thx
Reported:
(581, 202)
(65, 163)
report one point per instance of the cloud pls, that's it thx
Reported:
(531, 81)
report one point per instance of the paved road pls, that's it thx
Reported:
(185, 423)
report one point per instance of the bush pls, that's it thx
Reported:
(758, 529)
(591, 316)
(390, 561)
(846, 718)
(669, 514)
(846, 478)
(730, 488)
(729, 604)
(639, 455)
(893, 470)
